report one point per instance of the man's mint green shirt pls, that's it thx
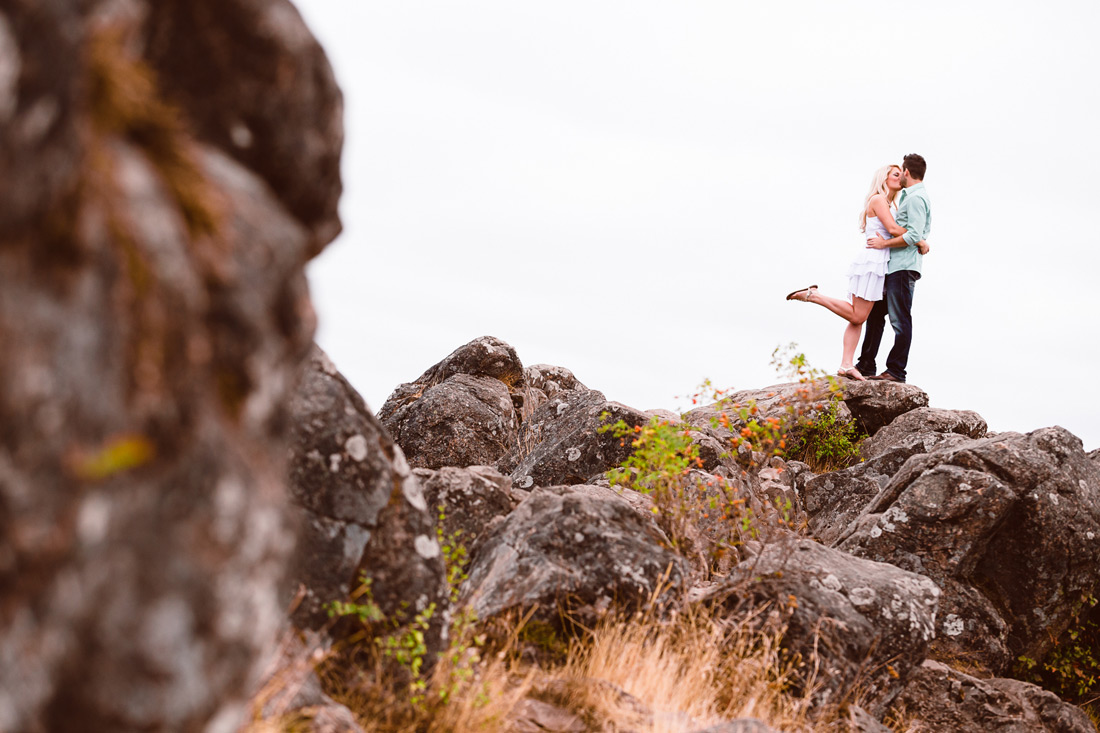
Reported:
(915, 215)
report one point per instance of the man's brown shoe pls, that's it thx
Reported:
(887, 377)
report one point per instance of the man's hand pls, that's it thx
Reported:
(923, 247)
(876, 242)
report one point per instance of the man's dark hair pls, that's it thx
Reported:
(915, 164)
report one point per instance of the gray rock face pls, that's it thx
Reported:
(585, 550)
(1007, 525)
(923, 420)
(462, 411)
(349, 479)
(41, 45)
(153, 315)
(561, 442)
(940, 698)
(465, 421)
(471, 500)
(876, 404)
(834, 500)
(551, 379)
(256, 84)
(862, 621)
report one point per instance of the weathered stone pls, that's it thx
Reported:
(464, 421)
(876, 404)
(536, 716)
(861, 721)
(923, 420)
(253, 81)
(939, 698)
(483, 357)
(462, 411)
(854, 619)
(567, 550)
(835, 499)
(469, 500)
(345, 471)
(551, 379)
(153, 316)
(561, 443)
(1014, 518)
(42, 47)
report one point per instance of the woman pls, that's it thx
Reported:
(867, 273)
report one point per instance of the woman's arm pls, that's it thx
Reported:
(882, 211)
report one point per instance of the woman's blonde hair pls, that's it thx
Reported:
(878, 185)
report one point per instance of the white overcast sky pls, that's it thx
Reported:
(628, 189)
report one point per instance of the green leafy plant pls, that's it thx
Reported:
(661, 465)
(1072, 667)
(805, 426)
(826, 442)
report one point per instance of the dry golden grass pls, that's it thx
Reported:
(694, 670)
(696, 666)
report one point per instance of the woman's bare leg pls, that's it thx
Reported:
(861, 309)
(851, 340)
(848, 311)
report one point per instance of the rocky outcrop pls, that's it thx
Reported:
(467, 501)
(833, 500)
(256, 84)
(1006, 525)
(153, 315)
(875, 404)
(927, 422)
(352, 485)
(562, 442)
(572, 554)
(551, 379)
(939, 698)
(462, 411)
(855, 621)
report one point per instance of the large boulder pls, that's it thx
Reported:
(467, 501)
(1007, 525)
(153, 314)
(256, 84)
(462, 411)
(853, 620)
(876, 404)
(921, 421)
(575, 553)
(939, 698)
(835, 499)
(551, 379)
(563, 441)
(351, 485)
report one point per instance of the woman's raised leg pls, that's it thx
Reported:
(844, 309)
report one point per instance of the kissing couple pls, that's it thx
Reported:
(895, 222)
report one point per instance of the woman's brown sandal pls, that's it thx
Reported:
(808, 291)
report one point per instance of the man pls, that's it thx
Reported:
(902, 274)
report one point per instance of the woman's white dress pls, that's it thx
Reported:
(867, 274)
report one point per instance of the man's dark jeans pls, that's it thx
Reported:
(897, 301)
